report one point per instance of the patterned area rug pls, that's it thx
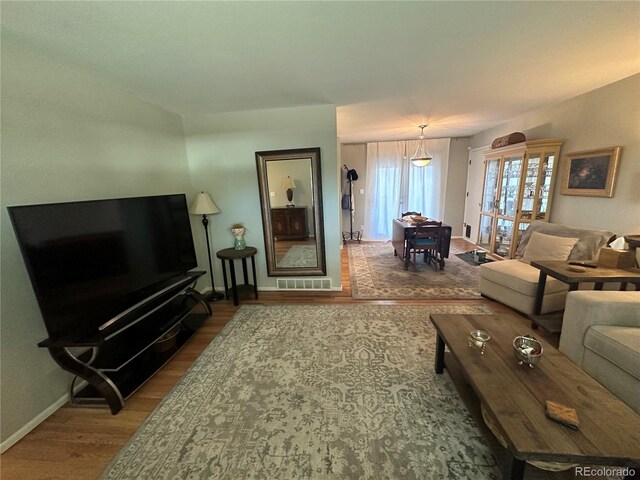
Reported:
(377, 274)
(299, 256)
(323, 391)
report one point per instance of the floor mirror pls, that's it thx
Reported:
(291, 202)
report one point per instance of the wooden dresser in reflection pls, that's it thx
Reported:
(289, 223)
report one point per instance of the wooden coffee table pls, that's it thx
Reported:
(514, 395)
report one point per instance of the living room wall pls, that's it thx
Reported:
(605, 117)
(65, 137)
(221, 151)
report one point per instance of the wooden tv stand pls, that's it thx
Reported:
(117, 363)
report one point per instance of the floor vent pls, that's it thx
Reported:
(304, 284)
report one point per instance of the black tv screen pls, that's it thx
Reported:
(90, 261)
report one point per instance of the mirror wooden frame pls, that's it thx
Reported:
(262, 160)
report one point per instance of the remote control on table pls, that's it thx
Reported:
(584, 264)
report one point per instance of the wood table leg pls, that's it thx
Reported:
(244, 271)
(513, 468)
(405, 256)
(255, 280)
(224, 277)
(234, 285)
(439, 366)
(537, 306)
(542, 281)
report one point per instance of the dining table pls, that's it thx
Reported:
(403, 230)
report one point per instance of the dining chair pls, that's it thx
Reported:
(426, 240)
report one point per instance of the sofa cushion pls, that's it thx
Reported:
(619, 345)
(586, 248)
(519, 276)
(548, 247)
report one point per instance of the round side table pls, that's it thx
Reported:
(230, 255)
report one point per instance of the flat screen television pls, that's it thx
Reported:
(90, 261)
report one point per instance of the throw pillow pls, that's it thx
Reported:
(548, 247)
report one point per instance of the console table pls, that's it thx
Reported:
(289, 223)
(514, 396)
(231, 254)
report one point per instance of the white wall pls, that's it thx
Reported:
(604, 117)
(475, 171)
(65, 137)
(221, 150)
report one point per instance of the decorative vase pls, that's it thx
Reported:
(239, 243)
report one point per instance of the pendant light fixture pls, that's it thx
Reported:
(422, 157)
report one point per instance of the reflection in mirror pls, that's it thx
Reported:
(291, 220)
(291, 200)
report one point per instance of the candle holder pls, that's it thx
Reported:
(479, 338)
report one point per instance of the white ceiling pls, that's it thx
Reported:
(461, 67)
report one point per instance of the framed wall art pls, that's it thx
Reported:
(590, 173)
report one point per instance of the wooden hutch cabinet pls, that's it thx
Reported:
(518, 188)
(289, 223)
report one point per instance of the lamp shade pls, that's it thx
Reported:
(288, 183)
(422, 157)
(203, 205)
(421, 162)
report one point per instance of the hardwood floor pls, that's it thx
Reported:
(78, 443)
(283, 246)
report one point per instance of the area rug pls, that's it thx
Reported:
(314, 392)
(377, 274)
(299, 256)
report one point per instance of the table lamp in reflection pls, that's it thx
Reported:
(288, 184)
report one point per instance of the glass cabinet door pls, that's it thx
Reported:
(544, 186)
(486, 232)
(530, 186)
(490, 193)
(504, 237)
(509, 183)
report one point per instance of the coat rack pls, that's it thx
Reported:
(352, 176)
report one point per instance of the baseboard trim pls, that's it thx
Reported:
(38, 419)
(20, 434)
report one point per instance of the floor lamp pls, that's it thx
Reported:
(203, 205)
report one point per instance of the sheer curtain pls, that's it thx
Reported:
(384, 179)
(426, 185)
(395, 185)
